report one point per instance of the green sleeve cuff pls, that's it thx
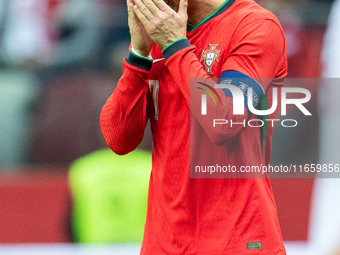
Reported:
(139, 62)
(177, 45)
(149, 58)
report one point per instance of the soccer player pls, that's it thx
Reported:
(171, 43)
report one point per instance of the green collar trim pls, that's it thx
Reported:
(218, 11)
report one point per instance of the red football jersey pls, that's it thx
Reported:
(202, 216)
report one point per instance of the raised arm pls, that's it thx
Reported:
(257, 54)
(124, 116)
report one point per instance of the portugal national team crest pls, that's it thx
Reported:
(209, 57)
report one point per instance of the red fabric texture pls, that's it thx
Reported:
(203, 216)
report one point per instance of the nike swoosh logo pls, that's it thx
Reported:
(157, 60)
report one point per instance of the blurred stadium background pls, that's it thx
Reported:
(59, 62)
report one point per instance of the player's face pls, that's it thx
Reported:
(173, 4)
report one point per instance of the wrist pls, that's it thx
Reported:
(138, 54)
(175, 46)
(172, 42)
(137, 60)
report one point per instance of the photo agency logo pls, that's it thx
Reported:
(247, 93)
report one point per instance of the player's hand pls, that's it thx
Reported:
(140, 38)
(163, 24)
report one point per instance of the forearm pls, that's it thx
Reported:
(181, 61)
(124, 116)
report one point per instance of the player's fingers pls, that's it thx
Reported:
(132, 14)
(162, 5)
(141, 16)
(183, 9)
(128, 8)
(144, 9)
(151, 6)
(132, 18)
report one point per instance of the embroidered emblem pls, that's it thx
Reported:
(209, 57)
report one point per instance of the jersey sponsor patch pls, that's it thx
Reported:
(254, 246)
